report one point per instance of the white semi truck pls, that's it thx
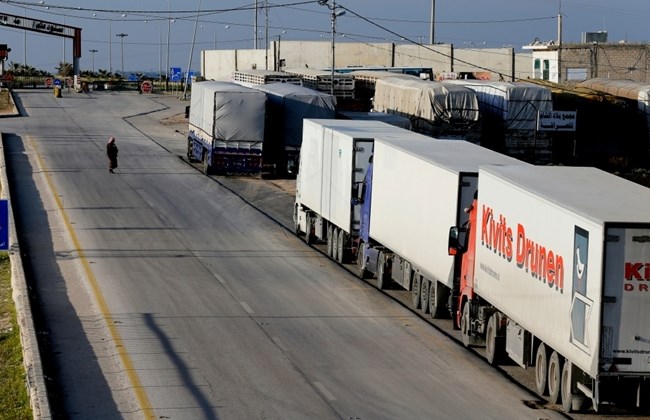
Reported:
(334, 157)
(413, 192)
(556, 273)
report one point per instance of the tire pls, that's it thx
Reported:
(554, 377)
(340, 250)
(465, 325)
(437, 308)
(492, 350)
(309, 235)
(566, 388)
(382, 276)
(541, 370)
(335, 244)
(363, 273)
(190, 159)
(207, 169)
(415, 291)
(424, 295)
(330, 244)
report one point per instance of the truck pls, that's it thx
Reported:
(413, 191)
(555, 274)
(435, 109)
(287, 106)
(334, 157)
(509, 113)
(226, 128)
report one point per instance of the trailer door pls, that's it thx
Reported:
(625, 341)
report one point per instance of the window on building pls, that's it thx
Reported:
(537, 74)
(547, 70)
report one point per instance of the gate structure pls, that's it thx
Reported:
(48, 28)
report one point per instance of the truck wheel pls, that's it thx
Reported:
(340, 250)
(361, 263)
(465, 325)
(554, 377)
(566, 388)
(309, 234)
(424, 295)
(207, 169)
(330, 246)
(335, 244)
(415, 291)
(382, 276)
(541, 369)
(492, 344)
(190, 159)
(437, 299)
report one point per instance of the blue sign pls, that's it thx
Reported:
(4, 225)
(133, 77)
(175, 74)
(57, 82)
(190, 74)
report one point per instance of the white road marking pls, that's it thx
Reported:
(221, 280)
(325, 391)
(246, 307)
(279, 343)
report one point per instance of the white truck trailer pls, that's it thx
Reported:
(226, 127)
(334, 157)
(414, 192)
(556, 272)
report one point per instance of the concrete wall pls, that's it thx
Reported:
(219, 65)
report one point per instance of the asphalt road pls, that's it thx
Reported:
(161, 292)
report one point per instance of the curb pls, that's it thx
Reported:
(35, 378)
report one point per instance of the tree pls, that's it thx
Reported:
(104, 74)
(64, 69)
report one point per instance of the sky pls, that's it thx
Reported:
(155, 27)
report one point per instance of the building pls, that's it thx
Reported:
(577, 62)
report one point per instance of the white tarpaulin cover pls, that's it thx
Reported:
(228, 112)
(629, 89)
(432, 101)
(516, 103)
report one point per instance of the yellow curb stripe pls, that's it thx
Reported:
(131, 373)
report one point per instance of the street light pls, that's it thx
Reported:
(122, 35)
(93, 51)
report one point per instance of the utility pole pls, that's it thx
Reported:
(559, 43)
(266, 36)
(432, 39)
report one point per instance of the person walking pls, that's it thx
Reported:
(111, 152)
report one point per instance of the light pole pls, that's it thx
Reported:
(189, 64)
(169, 30)
(122, 35)
(93, 51)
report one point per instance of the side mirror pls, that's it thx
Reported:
(453, 244)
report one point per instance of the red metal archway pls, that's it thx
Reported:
(48, 28)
